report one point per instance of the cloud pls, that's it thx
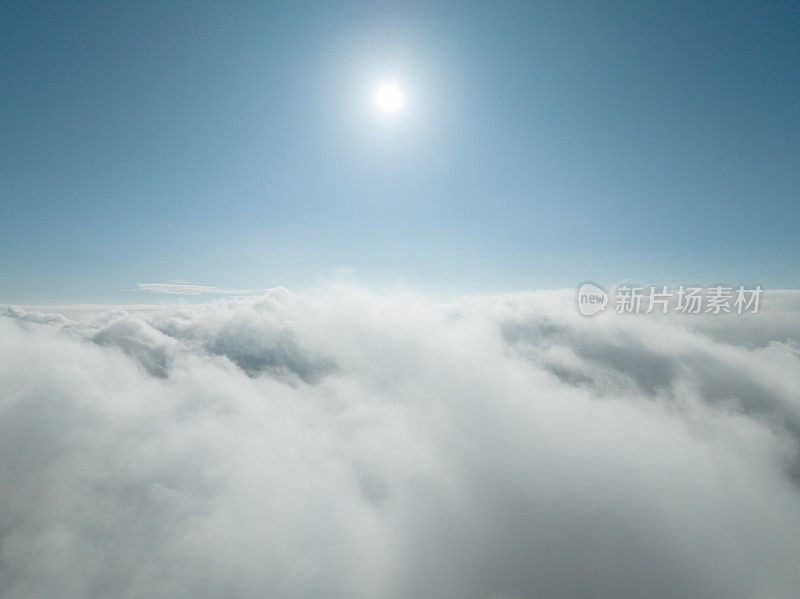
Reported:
(347, 443)
(185, 288)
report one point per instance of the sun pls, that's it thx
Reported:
(389, 97)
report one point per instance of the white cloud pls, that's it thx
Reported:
(343, 443)
(185, 288)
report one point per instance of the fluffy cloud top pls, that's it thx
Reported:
(345, 444)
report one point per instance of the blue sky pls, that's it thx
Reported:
(541, 144)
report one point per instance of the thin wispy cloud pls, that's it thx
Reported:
(186, 288)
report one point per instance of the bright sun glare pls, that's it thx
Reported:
(389, 97)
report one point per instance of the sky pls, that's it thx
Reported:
(237, 146)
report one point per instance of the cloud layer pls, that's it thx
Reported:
(342, 443)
